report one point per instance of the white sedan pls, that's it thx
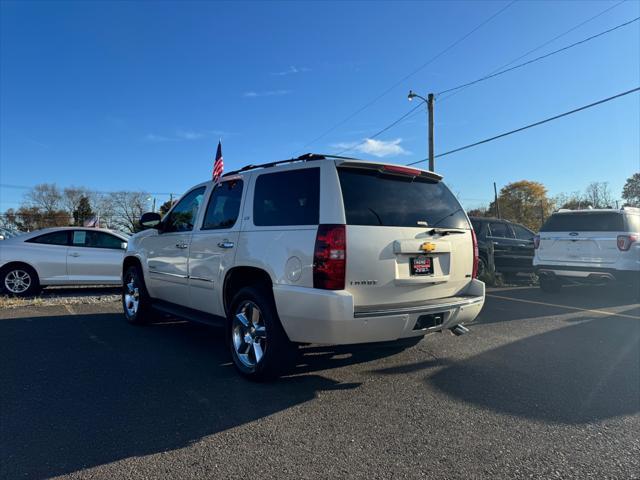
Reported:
(61, 256)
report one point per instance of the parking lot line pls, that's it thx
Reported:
(588, 310)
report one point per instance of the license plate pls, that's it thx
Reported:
(421, 265)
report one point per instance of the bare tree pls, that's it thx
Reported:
(46, 197)
(598, 195)
(127, 208)
(71, 197)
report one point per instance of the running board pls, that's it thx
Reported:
(188, 313)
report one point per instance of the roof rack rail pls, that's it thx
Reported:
(307, 157)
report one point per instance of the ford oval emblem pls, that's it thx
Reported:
(574, 234)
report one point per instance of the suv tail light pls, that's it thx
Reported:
(625, 241)
(476, 254)
(536, 242)
(330, 257)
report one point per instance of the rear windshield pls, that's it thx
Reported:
(584, 222)
(374, 198)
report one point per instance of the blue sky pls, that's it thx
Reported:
(134, 95)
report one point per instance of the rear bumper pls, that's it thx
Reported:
(321, 316)
(571, 274)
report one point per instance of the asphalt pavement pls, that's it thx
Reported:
(544, 386)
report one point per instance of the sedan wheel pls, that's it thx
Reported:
(20, 280)
(17, 281)
(249, 334)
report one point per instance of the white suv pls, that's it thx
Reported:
(313, 250)
(589, 246)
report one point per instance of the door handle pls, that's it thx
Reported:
(225, 244)
(181, 245)
(74, 254)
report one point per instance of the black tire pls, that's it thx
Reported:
(259, 346)
(483, 268)
(19, 280)
(134, 289)
(550, 285)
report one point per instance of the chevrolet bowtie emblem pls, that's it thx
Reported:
(428, 247)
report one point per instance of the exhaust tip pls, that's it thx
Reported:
(459, 330)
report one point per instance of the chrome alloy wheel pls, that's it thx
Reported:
(131, 297)
(17, 281)
(249, 334)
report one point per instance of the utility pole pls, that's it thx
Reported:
(432, 161)
(495, 194)
(429, 102)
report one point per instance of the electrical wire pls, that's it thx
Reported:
(546, 120)
(411, 113)
(406, 77)
(520, 65)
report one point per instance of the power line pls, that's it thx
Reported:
(26, 187)
(406, 77)
(546, 120)
(412, 112)
(502, 72)
(544, 44)
(380, 132)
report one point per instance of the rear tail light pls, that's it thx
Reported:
(414, 172)
(330, 257)
(536, 242)
(476, 255)
(625, 241)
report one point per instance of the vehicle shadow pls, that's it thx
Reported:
(580, 373)
(86, 390)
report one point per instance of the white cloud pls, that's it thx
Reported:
(291, 70)
(152, 137)
(179, 136)
(268, 93)
(189, 135)
(377, 148)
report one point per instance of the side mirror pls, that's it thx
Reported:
(150, 220)
(124, 245)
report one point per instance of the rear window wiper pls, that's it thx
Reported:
(445, 231)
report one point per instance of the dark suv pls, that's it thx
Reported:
(505, 247)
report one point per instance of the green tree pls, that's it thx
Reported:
(82, 212)
(524, 202)
(166, 206)
(631, 190)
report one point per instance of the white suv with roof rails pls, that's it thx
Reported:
(589, 246)
(313, 250)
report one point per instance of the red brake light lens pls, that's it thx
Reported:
(536, 242)
(330, 257)
(476, 254)
(403, 170)
(625, 242)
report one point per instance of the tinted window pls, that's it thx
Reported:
(584, 222)
(523, 233)
(500, 230)
(182, 216)
(375, 198)
(287, 198)
(224, 206)
(103, 240)
(55, 238)
(477, 226)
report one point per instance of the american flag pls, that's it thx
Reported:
(218, 165)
